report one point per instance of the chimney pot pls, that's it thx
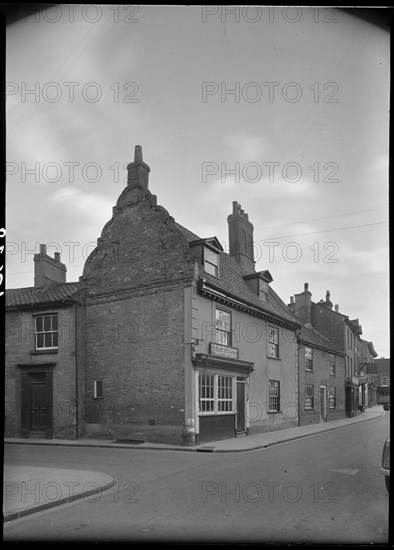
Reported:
(138, 154)
(57, 256)
(138, 171)
(336, 308)
(43, 249)
(292, 299)
(306, 287)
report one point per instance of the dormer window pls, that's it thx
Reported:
(207, 251)
(263, 291)
(259, 284)
(211, 262)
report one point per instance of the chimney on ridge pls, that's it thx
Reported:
(240, 236)
(138, 171)
(47, 270)
(302, 306)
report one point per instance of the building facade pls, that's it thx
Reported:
(164, 338)
(383, 380)
(368, 387)
(321, 368)
(42, 379)
(344, 337)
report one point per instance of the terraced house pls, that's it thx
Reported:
(165, 337)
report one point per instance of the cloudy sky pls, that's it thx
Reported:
(283, 110)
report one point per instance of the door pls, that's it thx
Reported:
(39, 409)
(36, 405)
(323, 408)
(241, 421)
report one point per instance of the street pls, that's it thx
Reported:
(324, 488)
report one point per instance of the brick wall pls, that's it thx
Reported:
(20, 350)
(320, 375)
(134, 285)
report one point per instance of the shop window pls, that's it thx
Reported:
(216, 393)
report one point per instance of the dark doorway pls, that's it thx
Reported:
(36, 403)
(241, 423)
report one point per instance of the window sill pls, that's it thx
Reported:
(275, 358)
(309, 370)
(217, 413)
(274, 412)
(43, 351)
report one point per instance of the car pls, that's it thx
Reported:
(386, 407)
(385, 468)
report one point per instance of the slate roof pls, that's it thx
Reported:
(231, 282)
(382, 366)
(189, 235)
(314, 338)
(57, 293)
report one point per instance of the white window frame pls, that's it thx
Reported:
(263, 291)
(46, 332)
(211, 262)
(274, 393)
(223, 395)
(223, 336)
(95, 389)
(273, 342)
(309, 361)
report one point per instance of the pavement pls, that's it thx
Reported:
(28, 489)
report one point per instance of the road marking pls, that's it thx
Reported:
(345, 471)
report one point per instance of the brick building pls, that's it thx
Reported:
(382, 380)
(321, 368)
(344, 336)
(367, 377)
(41, 364)
(173, 339)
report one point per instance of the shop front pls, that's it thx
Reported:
(222, 382)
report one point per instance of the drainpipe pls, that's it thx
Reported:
(76, 372)
(298, 339)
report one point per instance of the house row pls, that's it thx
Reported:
(167, 338)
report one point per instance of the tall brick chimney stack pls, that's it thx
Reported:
(240, 231)
(302, 306)
(138, 171)
(47, 270)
